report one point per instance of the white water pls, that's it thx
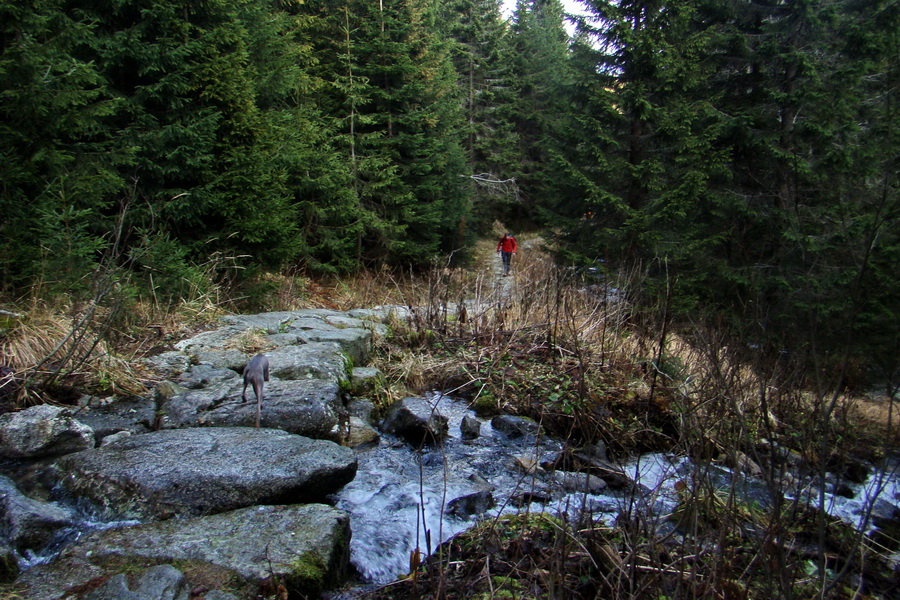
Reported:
(397, 501)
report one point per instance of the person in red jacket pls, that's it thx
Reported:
(506, 248)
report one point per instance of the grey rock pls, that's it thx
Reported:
(283, 339)
(167, 389)
(116, 588)
(219, 595)
(306, 547)
(134, 416)
(363, 380)
(360, 434)
(185, 410)
(188, 472)
(42, 430)
(515, 427)
(579, 482)
(216, 339)
(201, 376)
(318, 360)
(471, 504)
(416, 421)
(223, 359)
(170, 363)
(470, 428)
(311, 408)
(115, 437)
(29, 524)
(355, 343)
(163, 582)
(361, 408)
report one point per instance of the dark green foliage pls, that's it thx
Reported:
(729, 150)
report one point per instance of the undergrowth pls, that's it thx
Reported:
(567, 348)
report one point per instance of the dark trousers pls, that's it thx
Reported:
(506, 256)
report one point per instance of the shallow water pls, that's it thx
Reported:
(399, 498)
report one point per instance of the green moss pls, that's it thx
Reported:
(307, 574)
(485, 405)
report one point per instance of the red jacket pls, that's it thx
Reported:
(507, 244)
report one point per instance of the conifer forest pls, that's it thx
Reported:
(740, 155)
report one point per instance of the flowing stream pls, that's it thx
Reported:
(403, 499)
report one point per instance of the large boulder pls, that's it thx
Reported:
(353, 341)
(319, 360)
(105, 419)
(162, 582)
(305, 547)
(26, 523)
(42, 430)
(201, 471)
(515, 427)
(311, 408)
(416, 421)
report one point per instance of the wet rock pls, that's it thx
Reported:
(42, 430)
(471, 504)
(515, 427)
(133, 416)
(529, 465)
(579, 482)
(360, 434)
(470, 428)
(614, 477)
(532, 497)
(200, 471)
(26, 523)
(414, 420)
(319, 360)
(306, 547)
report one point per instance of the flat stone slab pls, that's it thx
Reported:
(305, 547)
(202, 471)
(310, 408)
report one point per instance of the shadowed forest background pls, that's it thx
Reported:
(741, 155)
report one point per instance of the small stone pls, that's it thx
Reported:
(470, 428)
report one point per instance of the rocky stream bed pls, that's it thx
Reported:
(179, 496)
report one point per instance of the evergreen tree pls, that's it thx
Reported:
(484, 72)
(540, 112)
(394, 90)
